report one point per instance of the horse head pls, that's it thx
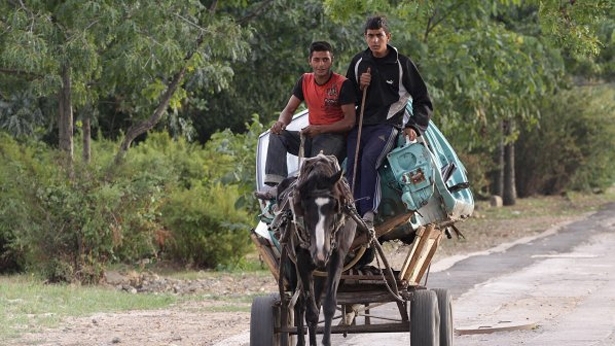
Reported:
(319, 202)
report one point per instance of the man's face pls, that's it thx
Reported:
(321, 63)
(377, 40)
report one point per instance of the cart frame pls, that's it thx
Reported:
(430, 194)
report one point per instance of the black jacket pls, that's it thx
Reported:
(395, 79)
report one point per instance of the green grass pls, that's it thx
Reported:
(570, 204)
(29, 304)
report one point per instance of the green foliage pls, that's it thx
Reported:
(205, 228)
(20, 114)
(478, 166)
(282, 31)
(234, 161)
(69, 229)
(118, 51)
(18, 164)
(568, 24)
(168, 195)
(572, 147)
(485, 61)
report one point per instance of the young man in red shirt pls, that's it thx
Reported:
(330, 99)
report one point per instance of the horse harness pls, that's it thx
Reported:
(290, 222)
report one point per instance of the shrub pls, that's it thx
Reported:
(206, 230)
(572, 147)
(21, 167)
(478, 166)
(68, 224)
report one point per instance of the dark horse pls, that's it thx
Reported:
(320, 235)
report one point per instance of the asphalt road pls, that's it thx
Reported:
(554, 289)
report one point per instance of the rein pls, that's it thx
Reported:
(302, 235)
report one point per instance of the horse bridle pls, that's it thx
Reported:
(302, 234)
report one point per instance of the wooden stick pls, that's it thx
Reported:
(356, 153)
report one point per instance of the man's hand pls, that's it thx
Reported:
(410, 133)
(365, 79)
(311, 131)
(278, 127)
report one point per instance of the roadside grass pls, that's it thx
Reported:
(28, 304)
(562, 205)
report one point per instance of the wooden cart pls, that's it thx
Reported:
(425, 192)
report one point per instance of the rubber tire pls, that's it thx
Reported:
(445, 307)
(262, 321)
(424, 319)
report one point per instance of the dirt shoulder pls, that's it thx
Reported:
(223, 304)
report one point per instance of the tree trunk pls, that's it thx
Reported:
(135, 130)
(65, 116)
(498, 184)
(140, 128)
(87, 136)
(510, 192)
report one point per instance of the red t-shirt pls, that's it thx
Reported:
(325, 101)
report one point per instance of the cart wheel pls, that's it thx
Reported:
(262, 322)
(424, 319)
(445, 306)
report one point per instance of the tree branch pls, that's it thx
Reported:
(432, 23)
(142, 127)
(254, 13)
(21, 73)
(212, 8)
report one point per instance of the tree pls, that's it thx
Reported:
(137, 52)
(483, 62)
(282, 32)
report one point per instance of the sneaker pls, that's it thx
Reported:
(267, 199)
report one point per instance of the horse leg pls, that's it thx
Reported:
(345, 237)
(299, 313)
(305, 268)
(334, 273)
(311, 316)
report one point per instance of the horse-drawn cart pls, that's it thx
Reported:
(424, 193)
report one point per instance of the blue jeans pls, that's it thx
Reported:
(376, 141)
(289, 142)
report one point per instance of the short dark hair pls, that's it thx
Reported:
(375, 23)
(320, 46)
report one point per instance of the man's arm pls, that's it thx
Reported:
(343, 125)
(352, 76)
(286, 115)
(421, 102)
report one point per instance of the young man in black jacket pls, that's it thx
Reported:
(390, 80)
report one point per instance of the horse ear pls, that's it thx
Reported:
(336, 177)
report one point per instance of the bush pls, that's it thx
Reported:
(22, 166)
(206, 230)
(69, 225)
(478, 166)
(572, 147)
(167, 194)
